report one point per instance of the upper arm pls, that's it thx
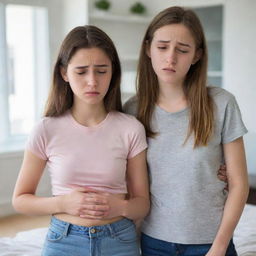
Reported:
(30, 173)
(235, 159)
(137, 176)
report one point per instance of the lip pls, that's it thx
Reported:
(92, 93)
(169, 70)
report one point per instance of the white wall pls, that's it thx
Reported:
(75, 13)
(240, 66)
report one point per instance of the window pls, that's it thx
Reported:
(24, 70)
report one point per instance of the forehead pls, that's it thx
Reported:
(174, 32)
(89, 56)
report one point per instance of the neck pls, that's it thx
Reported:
(89, 115)
(172, 97)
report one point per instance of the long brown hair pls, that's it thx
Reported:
(60, 97)
(196, 92)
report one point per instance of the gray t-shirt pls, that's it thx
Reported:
(187, 198)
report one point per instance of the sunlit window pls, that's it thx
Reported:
(25, 50)
(21, 78)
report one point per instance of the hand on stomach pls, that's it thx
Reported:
(88, 207)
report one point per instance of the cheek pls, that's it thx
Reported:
(106, 82)
(186, 67)
(155, 61)
(186, 63)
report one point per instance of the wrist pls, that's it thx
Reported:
(60, 204)
(219, 248)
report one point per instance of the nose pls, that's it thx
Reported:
(171, 57)
(91, 80)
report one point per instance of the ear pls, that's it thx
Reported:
(63, 73)
(197, 56)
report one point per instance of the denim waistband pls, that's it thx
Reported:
(93, 231)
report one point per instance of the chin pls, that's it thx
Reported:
(168, 81)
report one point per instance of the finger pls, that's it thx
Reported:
(99, 208)
(223, 179)
(221, 175)
(223, 172)
(223, 167)
(95, 201)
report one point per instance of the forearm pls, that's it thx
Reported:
(135, 208)
(30, 204)
(232, 211)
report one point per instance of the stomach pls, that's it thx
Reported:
(76, 220)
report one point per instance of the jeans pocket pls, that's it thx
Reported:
(54, 235)
(127, 235)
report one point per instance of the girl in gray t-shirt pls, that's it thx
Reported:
(191, 130)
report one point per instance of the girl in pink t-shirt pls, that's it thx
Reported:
(95, 155)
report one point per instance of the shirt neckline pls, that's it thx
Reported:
(165, 112)
(88, 128)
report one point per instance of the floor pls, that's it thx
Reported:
(10, 225)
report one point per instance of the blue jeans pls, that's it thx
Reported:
(115, 239)
(155, 247)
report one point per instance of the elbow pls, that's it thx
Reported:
(241, 189)
(16, 204)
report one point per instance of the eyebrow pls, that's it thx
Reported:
(97, 66)
(168, 41)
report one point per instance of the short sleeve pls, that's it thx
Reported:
(138, 141)
(37, 141)
(233, 126)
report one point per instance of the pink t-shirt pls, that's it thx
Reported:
(94, 157)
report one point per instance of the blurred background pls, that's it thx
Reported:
(31, 32)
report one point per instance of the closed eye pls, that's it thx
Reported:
(182, 51)
(102, 71)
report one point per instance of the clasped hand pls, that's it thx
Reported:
(92, 204)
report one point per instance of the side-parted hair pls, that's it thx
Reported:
(200, 103)
(60, 96)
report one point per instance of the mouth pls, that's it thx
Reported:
(92, 93)
(169, 70)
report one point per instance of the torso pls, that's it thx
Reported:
(94, 157)
(187, 198)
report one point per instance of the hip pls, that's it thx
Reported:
(117, 238)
